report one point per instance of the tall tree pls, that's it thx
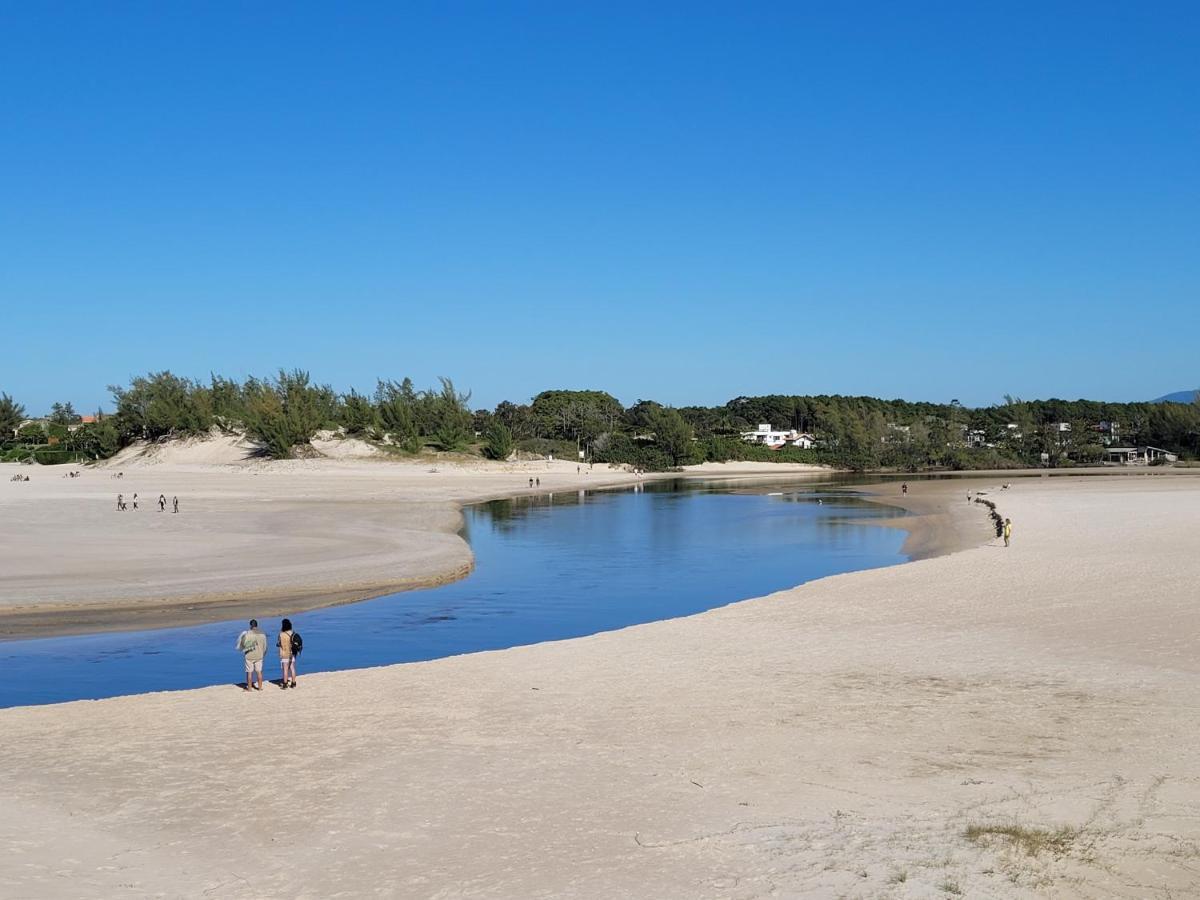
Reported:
(452, 428)
(64, 414)
(672, 434)
(12, 414)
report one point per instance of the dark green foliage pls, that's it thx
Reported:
(519, 419)
(161, 404)
(224, 402)
(64, 414)
(395, 405)
(53, 456)
(672, 435)
(286, 412)
(11, 415)
(32, 435)
(642, 454)
(452, 420)
(97, 440)
(498, 441)
(579, 416)
(357, 415)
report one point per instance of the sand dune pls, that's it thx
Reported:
(838, 739)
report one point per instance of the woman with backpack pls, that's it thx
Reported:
(289, 645)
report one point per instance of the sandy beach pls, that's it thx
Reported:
(994, 722)
(253, 537)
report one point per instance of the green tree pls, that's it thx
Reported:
(519, 419)
(32, 434)
(64, 414)
(395, 404)
(672, 435)
(287, 412)
(98, 440)
(576, 415)
(11, 416)
(159, 404)
(498, 441)
(452, 425)
(357, 415)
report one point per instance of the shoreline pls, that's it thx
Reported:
(935, 526)
(423, 549)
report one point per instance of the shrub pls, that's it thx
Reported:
(287, 412)
(499, 441)
(55, 457)
(453, 424)
(357, 415)
(643, 454)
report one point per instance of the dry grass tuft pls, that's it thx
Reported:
(1033, 841)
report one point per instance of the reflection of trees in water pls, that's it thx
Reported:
(504, 514)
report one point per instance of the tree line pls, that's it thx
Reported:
(283, 413)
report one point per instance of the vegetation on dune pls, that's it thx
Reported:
(285, 412)
(498, 443)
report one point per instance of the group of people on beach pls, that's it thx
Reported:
(19, 477)
(162, 503)
(252, 644)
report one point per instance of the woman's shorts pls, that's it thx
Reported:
(253, 665)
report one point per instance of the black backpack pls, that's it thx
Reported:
(297, 643)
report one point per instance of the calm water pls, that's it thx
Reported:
(547, 568)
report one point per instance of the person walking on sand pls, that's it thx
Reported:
(175, 504)
(120, 502)
(253, 644)
(286, 642)
(135, 500)
(162, 503)
(904, 488)
(1007, 531)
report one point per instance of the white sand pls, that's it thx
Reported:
(832, 740)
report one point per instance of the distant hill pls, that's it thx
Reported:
(1178, 397)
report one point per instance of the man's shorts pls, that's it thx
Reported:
(253, 665)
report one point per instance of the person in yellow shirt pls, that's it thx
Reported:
(287, 659)
(1007, 531)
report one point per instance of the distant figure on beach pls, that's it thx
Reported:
(120, 502)
(253, 644)
(1007, 531)
(531, 482)
(904, 488)
(135, 501)
(162, 503)
(175, 504)
(286, 642)
(539, 482)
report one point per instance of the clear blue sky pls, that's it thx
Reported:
(678, 201)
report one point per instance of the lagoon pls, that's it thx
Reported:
(548, 567)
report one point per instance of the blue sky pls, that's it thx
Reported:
(679, 201)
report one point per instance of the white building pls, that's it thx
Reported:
(769, 437)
